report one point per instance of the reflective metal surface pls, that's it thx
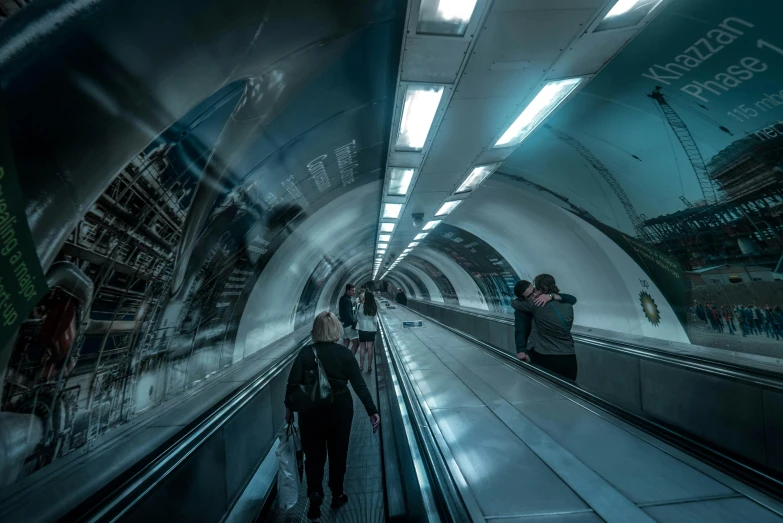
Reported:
(505, 428)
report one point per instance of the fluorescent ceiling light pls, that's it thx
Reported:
(406, 251)
(399, 181)
(383, 245)
(384, 237)
(381, 251)
(413, 244)
(537, 111)
(627, 13)
(392, 210)
(418, 112)
(447, 208)
(430, 225)
(476, 176)
(387, 227)
(445, 17)
(421, 235)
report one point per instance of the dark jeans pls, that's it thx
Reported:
(327, 430)
(563, 364)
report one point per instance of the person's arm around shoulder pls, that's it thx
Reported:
(523, 305)
(543, 299)
(360, 387)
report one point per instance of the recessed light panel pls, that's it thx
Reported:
(445, 17)
(430, 225)
(418, 112)
(447, 207)
(537, 111)
(476, 176)
(421, 236)
(399, 181)
(392, 210)
(627, 13)
(387, 227)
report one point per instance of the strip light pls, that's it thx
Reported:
(399, 181)
(413, 244)
(431, 225)
(446, 17)
(387, 227)
(384, 237)
(545, 102)
(383, 245)
(418, 112)
(627, 13)
(421, 236)
(476, 176)
(447, 207)
(392, 210)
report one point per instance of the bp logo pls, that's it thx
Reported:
(650, 308)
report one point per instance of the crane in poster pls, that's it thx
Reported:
(606, 174)
(689, 145)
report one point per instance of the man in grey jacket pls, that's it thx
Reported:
(551, 345)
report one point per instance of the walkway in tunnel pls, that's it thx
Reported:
(528, 451)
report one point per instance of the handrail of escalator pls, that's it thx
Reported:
(688, 361)
(759, 479)
(135, 484)
(442, 498)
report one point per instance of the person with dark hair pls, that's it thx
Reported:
(401, 298)
(551, 345)
(326, 428)
(366, 323)
(347, 318)
(523, 321)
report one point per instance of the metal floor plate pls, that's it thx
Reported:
(531, 452)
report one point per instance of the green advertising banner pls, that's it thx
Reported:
(664, 271)
(22, 282)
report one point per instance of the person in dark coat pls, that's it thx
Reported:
(326, 429)
(551, 345)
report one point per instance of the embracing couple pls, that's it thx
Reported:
(543, 318)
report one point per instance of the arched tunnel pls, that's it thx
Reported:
(187, 185)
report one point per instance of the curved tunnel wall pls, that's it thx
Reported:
(217, 179)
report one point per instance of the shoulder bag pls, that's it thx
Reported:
(314, 391)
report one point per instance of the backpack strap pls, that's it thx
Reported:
(559, 315)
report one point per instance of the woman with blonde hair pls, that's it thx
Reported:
(326, 428)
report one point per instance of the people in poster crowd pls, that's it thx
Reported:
(547, 341)
(348, 318)
(749, 319)
(367, 325)
(326, 428)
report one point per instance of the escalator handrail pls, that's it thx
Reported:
(759, 479)
(138, 484)
(445, 485)
(703, 365)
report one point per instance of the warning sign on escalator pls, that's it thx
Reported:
(22, 282)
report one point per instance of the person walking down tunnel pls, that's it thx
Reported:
(551, 345)
(366, 323)
(401, 298)
(348, 318)
(326, 427)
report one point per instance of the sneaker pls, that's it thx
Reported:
(314, 510)
(339, 501)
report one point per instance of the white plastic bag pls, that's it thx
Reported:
(287, 470)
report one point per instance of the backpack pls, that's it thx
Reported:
(314, 391)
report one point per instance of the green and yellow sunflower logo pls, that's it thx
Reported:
(650, 308)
